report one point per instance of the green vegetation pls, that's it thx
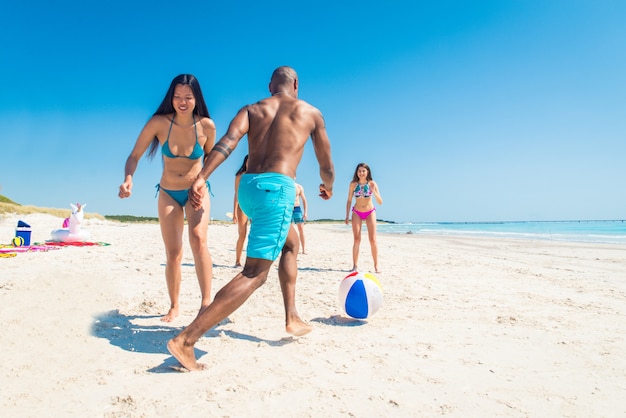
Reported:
(4, 199)
(133, 219)
(9, 206)
(335, 221)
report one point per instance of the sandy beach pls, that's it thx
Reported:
(469, 328)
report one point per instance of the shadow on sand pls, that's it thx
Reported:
(317, 270)
(127, 333)
(340, 321)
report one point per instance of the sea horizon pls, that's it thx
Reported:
(593, 231)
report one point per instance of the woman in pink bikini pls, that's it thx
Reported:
(362, 188)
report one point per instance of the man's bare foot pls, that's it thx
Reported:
(237, 265)
(377, 270)
(171, 315)
(354, 268)
(298, 328)
(184, 354)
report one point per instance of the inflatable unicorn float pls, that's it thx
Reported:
(71, 231)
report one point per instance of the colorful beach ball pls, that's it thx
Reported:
(360, 295)
(18, 241)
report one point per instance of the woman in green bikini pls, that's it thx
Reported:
(362, 188)
(183, 129)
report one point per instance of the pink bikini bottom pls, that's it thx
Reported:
(363, 215)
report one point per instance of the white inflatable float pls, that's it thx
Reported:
(73, 232)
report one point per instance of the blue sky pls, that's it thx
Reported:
(465, 111)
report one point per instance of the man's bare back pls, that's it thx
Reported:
(277, 128)
(280, 125)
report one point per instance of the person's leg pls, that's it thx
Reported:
(198, 223)
(226, 301)
(371, 233)
(298, 220)
(268, 198)
(301, 235)
(287, 274)
(242, 230)
(357, 224)
(171, 220)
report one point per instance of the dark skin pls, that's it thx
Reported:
(277, 128)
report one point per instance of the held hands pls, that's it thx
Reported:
(325, 193)
(196, 192)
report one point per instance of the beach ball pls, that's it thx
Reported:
(360, 295)
(18, 241)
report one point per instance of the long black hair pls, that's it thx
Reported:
(166, 107)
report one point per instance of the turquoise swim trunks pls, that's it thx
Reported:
(298, 216)
(267, 199)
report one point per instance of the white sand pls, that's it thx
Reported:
(470, 327)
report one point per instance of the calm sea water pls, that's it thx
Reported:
(610, 232)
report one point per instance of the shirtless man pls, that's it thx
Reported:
(277, 128)
(300, 213)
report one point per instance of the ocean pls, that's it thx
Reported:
(607, 232)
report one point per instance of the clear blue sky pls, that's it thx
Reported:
(465, 110)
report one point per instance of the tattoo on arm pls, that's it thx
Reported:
(225, 150)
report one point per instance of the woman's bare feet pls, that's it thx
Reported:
(184, 354)
(171, 315)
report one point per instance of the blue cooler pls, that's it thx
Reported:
(23, 230)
